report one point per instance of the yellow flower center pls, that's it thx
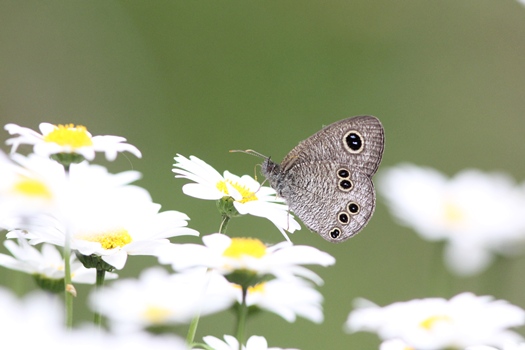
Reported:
(246, 194)
(109, 240)
(32, 187)
(245, 246)
(431, 321)
(69, 135)
(454, 215)
(156, 314)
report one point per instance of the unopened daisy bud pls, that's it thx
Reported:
(226, 207)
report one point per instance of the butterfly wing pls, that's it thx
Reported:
(330, 198)
(327, 179)
(356, 141)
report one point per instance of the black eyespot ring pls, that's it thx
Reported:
(345, 185)
(343, 173)
(335, 232)
(343, 218)
(353, 141)
(353, 208)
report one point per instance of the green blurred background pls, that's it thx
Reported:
(446, 78)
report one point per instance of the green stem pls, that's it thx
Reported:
(224, 224)
(241, 318)
(67, 283)
(69, 289)
(101, 274)
(192, 331)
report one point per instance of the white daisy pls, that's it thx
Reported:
(436, 323)
(287, 299)
(106, 218)
(228, 255)
(38, 185)
(157, 298)
(477, 214)
(45, 265)
(41, 315)
(248, 195)
(230, 343)
(71, 139)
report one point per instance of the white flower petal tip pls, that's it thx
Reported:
(230, 343)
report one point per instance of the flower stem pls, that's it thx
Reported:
(441, 282)
(69, 289)
(101, 274)
(224, 224)
(67, 282)
(241, 318)
(192, 331)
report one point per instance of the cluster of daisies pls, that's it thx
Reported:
(69, 221)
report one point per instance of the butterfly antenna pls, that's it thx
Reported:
(253, 153)
(250, 152)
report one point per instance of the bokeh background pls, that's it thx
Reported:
(446, 78)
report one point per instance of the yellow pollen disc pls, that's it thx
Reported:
(109, 240)
(246, 194)
(156, 314)
(245, 246)
(32, 187)
(431, 321)
(69, 135)
(453, 214)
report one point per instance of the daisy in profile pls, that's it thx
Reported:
(68, 139)
(436, 323)
(477, 214)
(158, 298)
(45, 265)
(246, 194)
(230, 343)
(230, 256)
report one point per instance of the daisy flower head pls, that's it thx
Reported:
(230, 343)
(477, 214)
(242, 257)
(28, 186)
(436, 323)
(106, 218)
(245, 194)
(46, 265)
(158, 298)
(288, 299)
(37, 311)
(69, 139)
